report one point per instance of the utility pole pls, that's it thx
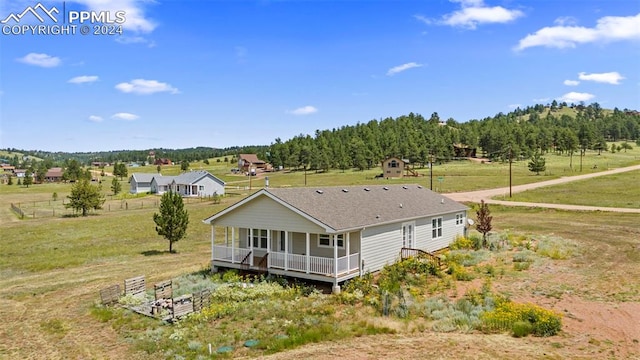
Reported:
(510, 173)
(250, 175)
(431, 171)
(305, 175)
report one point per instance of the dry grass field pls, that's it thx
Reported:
(52, 269)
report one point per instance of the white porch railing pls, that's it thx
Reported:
(317, 264)
(232, 255)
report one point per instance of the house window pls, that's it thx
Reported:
(201, 187)
(325, 240)
(459, 219)
(393, 164)
(259, 238)
(436, 228)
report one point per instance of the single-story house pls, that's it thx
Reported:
(20, 173)
(246, 161)
(193, 183)
(332, 234)
(54, 175)
(140, 182)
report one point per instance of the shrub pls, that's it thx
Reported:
(521, 329)
(520, 266)
(544, 322)
(555, 248)
(461, 242)
(523, 256)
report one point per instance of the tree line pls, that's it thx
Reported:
(519, 134)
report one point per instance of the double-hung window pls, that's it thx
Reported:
(326, 240)
(259, 238)
(436, 228)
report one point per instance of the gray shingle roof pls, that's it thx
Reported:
(143, 177)
(191, 177)
(358, 207)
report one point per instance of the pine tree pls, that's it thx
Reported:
(537, 163)
(173, 218)
(116, 187)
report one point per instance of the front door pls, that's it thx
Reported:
(408, 230)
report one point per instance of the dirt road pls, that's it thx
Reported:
(486, 195)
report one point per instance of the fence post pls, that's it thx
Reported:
(126, 205)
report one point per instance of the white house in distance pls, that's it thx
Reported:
(140, 183)
(198, 183)
(332, 234)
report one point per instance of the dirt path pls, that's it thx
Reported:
(486, 195)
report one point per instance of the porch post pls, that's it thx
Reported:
(233, 245)
(213, 238)
(286, 249)
(348, 251)
(335, 255)
(268, 247)
(307, 251)
(251, 246)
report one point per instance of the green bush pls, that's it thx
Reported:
(506, 313)
(521, 329)
(461, 242)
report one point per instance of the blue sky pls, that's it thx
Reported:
(225, 73)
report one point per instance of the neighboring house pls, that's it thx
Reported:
(140, 182)
(19, 173)
(162, 161)
(245, 161)
(189, 184)
(54, 175)
(393, 167)
(197, 183)
(464, 151)
(161, 184)
(332, 234)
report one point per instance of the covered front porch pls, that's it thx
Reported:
(322, 257)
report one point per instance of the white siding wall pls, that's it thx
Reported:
(449, 232)
(210, 187)
(139, 187)
(380, 246)
(264, 213)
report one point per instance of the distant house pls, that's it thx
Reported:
(20, 173)
(464, 151)
(54, 175)
(140, 183)
(332, 234)
(189, 184)
(247, 161)
(99, 164)
(393, 167)
(162, 161)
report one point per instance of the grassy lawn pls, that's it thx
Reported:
(52, 268)
(618, 190)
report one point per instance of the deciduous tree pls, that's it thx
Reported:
(85, 197)
(483, 224)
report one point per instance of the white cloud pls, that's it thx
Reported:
(571, 82)
(565, 20)
(576, 97)
(400, 68)
(475, 12)
(424, 19)
(305, 110)
(83, 79)
(134, 13)
(95, 118)
(514, 106)
(607, 29)
(607, 78)
(125, 116)
(145, 87)
(42, 60)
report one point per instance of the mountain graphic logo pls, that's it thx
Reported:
(35, 12)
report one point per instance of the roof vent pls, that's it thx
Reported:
(419, 186)
(377, 216)
(385, 188)
(367, 189)
(320, 191)
(345, 190)
(400, 205)
(405, 187)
